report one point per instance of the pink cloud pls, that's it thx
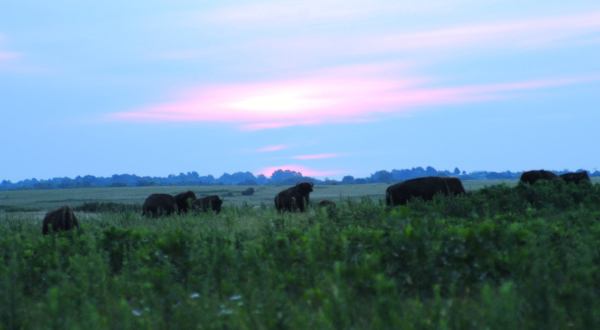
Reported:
(530, 33)
(316, 156)
(331, 96)
(273, 148)
(522, 33)
(7, 56)
(306, 171)
(285, 12)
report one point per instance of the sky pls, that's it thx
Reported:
(324, 87)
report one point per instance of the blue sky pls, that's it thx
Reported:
(327, 87)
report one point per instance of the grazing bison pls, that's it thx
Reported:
(159, 204)
(61, 219)
(425, 188)
(327, 203)
(184, 201)
(532, 177)
(576, 177)
(294, 198)
(204, 204)
(248, 192)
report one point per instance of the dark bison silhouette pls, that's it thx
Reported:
(61, 219)
(327, 203)
(425, 188)
(532, 177)
(576, 177)
(204, 204)
(248, 192)
(159, 204)
(294, 198)
(184, 201)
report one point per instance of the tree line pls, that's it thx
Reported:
(279, 177)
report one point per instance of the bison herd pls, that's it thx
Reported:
(427, 187)
(157, 205)
(297, 197)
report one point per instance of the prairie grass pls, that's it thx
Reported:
(497, 258)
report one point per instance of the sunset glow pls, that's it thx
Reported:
(273, 148)
(268, 171)
(317, 156)
(5, 56)
(324, 87)
(322, 100)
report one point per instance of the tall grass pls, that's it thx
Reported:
(499, 258)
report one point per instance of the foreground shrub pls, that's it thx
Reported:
(517, 258)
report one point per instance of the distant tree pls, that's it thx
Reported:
(382, 176)
(261, 179)
(430, 171)
(348, 179)
(236, 178)
(285, 177)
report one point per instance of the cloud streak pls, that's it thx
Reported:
(286, 12)
(6, 55)
(272, 148)
(351, 94)
(531, 33)
(275, 52)
(537, 31)
(317, 156)
(306, 171)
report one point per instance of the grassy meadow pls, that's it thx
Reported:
(500, 257)
(42, 200)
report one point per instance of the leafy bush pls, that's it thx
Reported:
(519, 258)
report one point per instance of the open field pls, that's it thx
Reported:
(498, 258)
(47, 199)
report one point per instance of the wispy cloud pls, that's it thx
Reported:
(332, 96)
(536, 31)
(531, 33)
(316, 156)
(289, 11)
(306, 171)
(292, 50)
(272, 148)
(6, 55)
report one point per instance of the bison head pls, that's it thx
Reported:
(305, 187)
(189, 197)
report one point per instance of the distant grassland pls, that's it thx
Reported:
(36, 200)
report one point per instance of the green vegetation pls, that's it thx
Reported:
(497, 258)
(39, 199)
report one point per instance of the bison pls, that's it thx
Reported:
(576, 177)
(184, 201)
(159, 204)
(61, 219)
(532, 177)
(294, 198)
(425, 188)
(204, 204)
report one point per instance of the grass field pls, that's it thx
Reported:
(498, 258)
(36, 200)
